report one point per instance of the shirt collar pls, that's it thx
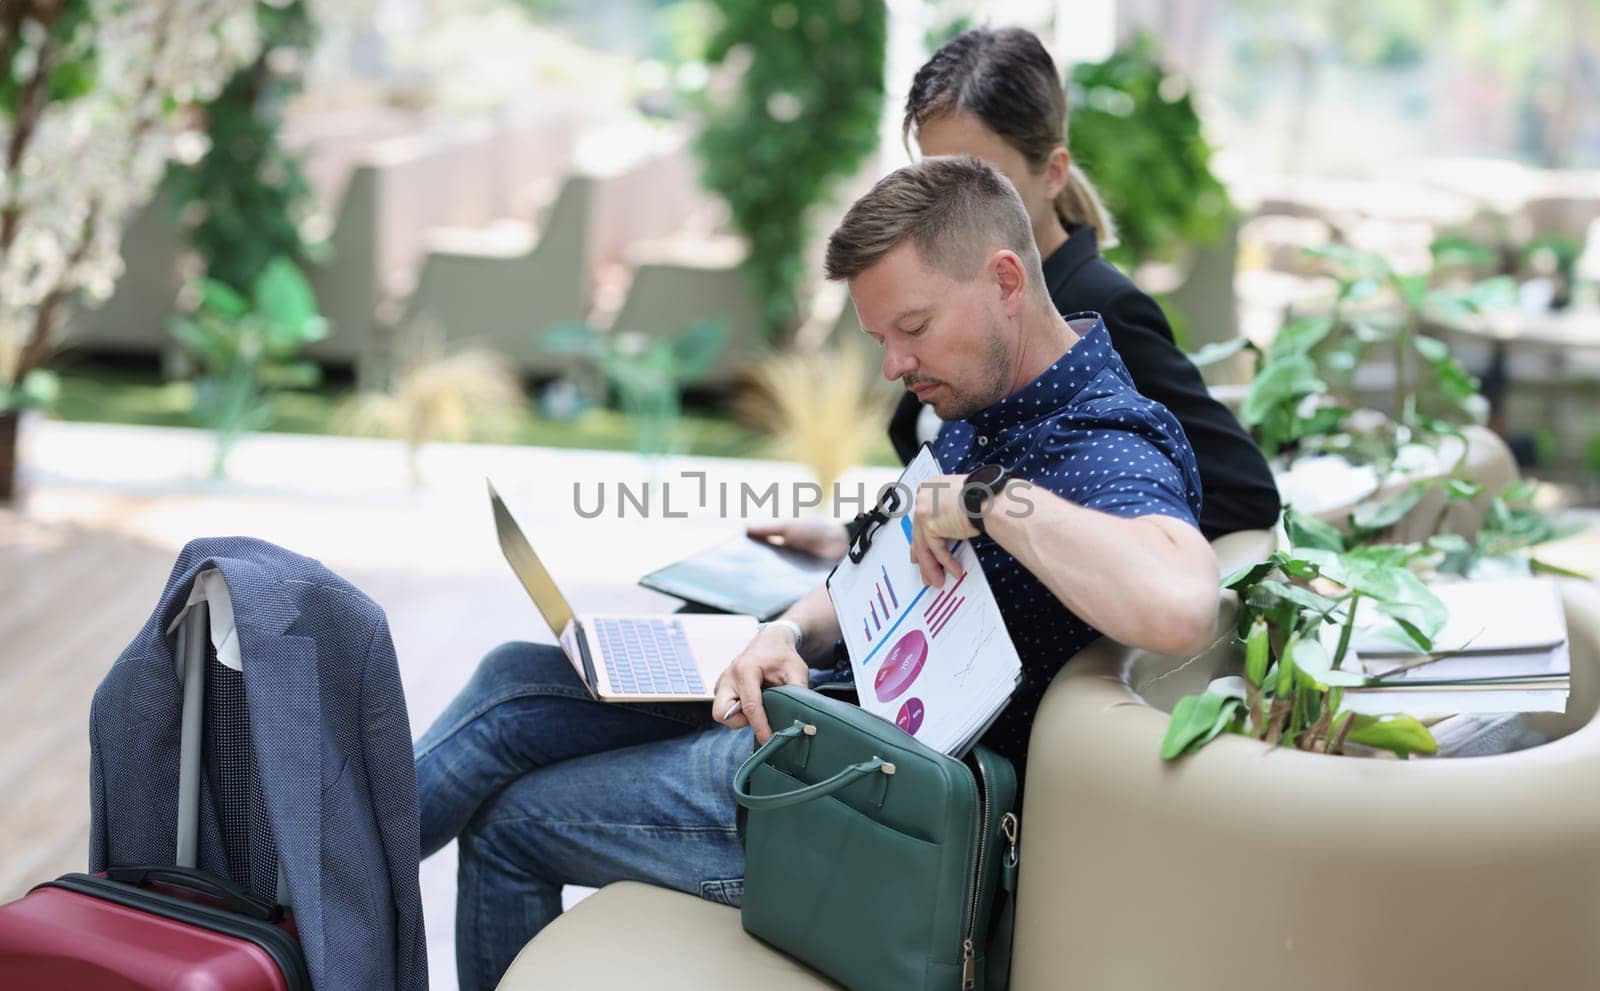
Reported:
(1058, 384)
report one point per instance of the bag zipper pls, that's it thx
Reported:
(969, 962)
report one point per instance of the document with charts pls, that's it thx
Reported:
(936, 662)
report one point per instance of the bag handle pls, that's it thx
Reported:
(783, 800)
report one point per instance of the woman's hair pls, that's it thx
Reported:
(1007, 80)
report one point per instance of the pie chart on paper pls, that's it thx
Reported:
(910, 716)
(901, 666)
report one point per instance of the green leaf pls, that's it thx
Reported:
(1247, 575)
(1454, 249)
(1453, 379)
(1449, 543)
(1312, 660)
(1371, 518)
(1414, 607)
(1351, 265)
(74, 78)
(39, 390)
(1461, 488)
(1402, 735)
(694, 350)
(577, 339)
(1196, 720)
(1308, 531)
(284, 299)
(221, 299)
(1539, 567)
(1283, 683)
(1522, 491)
(1298, 337)
(1296, 567)
(1279, 383)
(1257, 652)
(1413, 289)
(1218, 351)
(1497, 292)
(1267, 594)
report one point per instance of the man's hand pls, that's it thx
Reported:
(939, 518)
(769, 659)
(822, 538)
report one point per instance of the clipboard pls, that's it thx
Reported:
(937, 661)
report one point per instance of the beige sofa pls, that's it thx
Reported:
(634, 935)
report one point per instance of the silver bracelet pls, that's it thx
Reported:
(791, 626)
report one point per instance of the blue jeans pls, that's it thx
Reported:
(543, 787)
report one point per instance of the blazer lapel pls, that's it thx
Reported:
(281, 676)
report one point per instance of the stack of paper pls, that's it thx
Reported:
(1509, 639)
(936, 662)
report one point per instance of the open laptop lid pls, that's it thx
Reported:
(529, 569)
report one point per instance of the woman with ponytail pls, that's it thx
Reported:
(996, 95)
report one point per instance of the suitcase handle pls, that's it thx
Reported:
(237, 899)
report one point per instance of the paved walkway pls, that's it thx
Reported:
(87, 551)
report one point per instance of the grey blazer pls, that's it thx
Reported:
(328, 720)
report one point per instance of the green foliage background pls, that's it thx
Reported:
(247, 189)
(1134, 130)
(804, 115)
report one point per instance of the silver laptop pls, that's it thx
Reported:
(623, 657)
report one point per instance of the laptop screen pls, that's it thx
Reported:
(529, 569)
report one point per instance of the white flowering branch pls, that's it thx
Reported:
(99, 87)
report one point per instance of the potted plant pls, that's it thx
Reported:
(1293, 681)
(648, 374)
(248, 348)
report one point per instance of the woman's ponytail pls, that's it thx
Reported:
(1079, 203)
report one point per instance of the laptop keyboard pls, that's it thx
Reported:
(647, 657)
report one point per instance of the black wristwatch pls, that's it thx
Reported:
(979, 490)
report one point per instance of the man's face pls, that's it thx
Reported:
(945, 339)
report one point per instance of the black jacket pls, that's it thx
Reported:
(1238, 490)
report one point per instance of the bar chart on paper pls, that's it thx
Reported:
(883, 606)
(937, 661)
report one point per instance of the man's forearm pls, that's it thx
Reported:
(1149, 582)
(820, 625)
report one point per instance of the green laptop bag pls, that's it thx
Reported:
(869, 856)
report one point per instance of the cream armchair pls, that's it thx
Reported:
(677, 942)
(1251, 868)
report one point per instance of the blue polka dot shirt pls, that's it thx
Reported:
(1081, 431)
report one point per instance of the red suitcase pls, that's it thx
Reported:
(137, 928)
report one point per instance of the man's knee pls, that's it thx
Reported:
(521, 663)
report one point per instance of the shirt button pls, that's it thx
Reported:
(983, 441)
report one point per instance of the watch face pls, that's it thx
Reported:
(986, 475)
(979, 489)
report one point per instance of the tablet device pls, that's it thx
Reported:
(742, 575)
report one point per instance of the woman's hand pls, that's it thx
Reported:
(822, 538)
(769, 659)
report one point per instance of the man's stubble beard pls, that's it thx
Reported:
(997, 363)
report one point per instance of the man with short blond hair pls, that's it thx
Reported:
(1084, 524)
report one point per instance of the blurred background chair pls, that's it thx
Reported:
(499, 288)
